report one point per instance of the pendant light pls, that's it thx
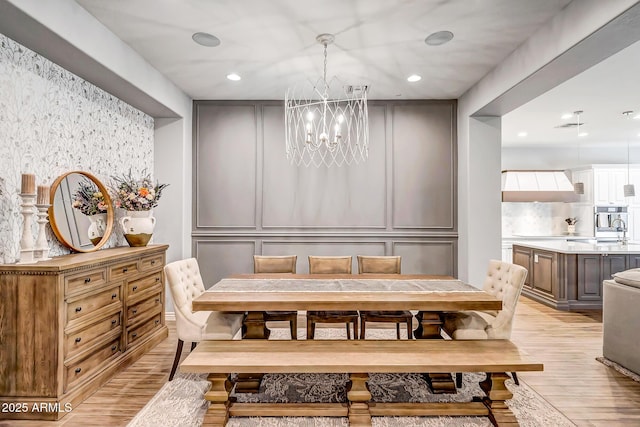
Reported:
(629, 189)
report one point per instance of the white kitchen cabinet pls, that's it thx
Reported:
(608, 187)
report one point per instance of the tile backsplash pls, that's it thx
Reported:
(544, 219)
(52, 122)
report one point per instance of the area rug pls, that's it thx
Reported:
(624, 371)
(181, 401)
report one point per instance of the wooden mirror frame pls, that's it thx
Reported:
(110, 212)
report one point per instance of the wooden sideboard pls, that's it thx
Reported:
(68, 325)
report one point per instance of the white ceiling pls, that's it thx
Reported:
(602, 92)
(271, 44)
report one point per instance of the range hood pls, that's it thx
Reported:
(537, 186)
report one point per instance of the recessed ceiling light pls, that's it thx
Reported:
(438, 38)
(234, 77)
(206, 39)
(522, 134)
(583, 134)
(414, 78)
(566, 116)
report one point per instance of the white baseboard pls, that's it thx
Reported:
(170, 315)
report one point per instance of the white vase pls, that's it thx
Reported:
(97, 227)
(571, 229)
(138, 227)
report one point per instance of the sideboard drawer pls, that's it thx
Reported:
(139, 332)
(79, 340)
(123, 270)
(138, 311)
(85, 306)
(82, 368)
(85, 281)
(151, 262)
(136, 287)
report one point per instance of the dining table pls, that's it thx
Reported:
(428, 295)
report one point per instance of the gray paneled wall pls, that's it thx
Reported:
(249, 200)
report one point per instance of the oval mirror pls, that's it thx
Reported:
(81, 214)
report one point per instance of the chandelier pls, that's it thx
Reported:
(326, 123)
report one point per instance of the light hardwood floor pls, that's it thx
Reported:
(586, 391)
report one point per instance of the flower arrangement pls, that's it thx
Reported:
(88, 199)
(136, 194)
(571, 221)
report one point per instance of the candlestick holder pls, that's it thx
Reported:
(26, 243)
(41, 251)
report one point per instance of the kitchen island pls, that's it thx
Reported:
(568, 275)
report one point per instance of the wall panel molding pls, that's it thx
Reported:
(402, 199)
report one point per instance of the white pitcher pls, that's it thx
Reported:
(138, 227)
(97, 227)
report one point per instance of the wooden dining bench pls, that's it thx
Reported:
(359, 358)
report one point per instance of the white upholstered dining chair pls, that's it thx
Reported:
(505, 282)
(185, 284)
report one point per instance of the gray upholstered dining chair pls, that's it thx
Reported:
(185, 285)
(505, 282)
(383, 265)
(331, 265)
(278, 264)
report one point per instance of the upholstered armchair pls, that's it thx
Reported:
(185, 285)
(505, 282)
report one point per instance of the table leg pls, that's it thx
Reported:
(497, 392)
(218, 413)
(359, 396)
(429, 327)
(255, 328)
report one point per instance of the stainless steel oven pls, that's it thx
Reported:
(609, 221)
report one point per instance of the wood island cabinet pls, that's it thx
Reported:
(70, 324)
(569, 281)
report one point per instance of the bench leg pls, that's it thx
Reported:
(358, 395)
(218, 413)
(497, 393)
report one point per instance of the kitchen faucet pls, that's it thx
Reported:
(622, 226)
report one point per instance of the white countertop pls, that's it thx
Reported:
(581, 247)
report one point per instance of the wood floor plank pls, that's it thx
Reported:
(589, 393)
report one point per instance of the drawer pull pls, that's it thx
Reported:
(78, 309)
(134, 311)
(157, 321)
(124, 270)
(157, 279)
(153, 262)
(113, 296)
(157, 300)
(135, 288)
(113, 348)
(133, 335)
(113, 322)
(78, 370)
(87, 280)
(78, 339)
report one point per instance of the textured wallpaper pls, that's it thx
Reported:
(51, 122)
